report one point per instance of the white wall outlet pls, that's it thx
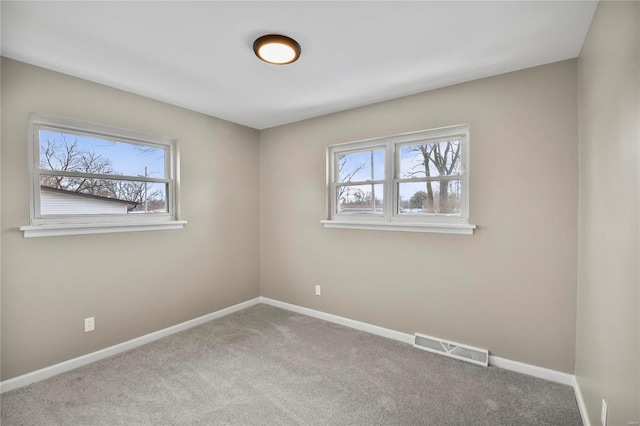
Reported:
(317, 290)
(603, 413)
(89, 324)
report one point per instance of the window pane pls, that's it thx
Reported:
(430, 197)
(361, 166)
(432, 159)
(360, 199)
(92, 154)
(71, 195)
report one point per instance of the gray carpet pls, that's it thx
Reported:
(267, 366)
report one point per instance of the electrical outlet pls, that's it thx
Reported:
(603, 413)
(317, 290)
(89, 324)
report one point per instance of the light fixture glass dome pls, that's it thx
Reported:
(277, 49)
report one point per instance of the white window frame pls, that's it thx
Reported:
(73, 224)
(390, 220)
(355, 147)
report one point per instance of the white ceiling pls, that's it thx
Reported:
(199, 55)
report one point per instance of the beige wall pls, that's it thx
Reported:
(509, 288)
(608, 333)
(133, 283)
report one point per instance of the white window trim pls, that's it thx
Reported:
(97, 228)
(438, 228)
(58, 225)
(390, 220)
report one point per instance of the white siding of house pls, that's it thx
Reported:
(58, 203)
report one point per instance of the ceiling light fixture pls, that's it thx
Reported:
(276, 49)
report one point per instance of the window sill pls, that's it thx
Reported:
(440, 228)
(97, 228)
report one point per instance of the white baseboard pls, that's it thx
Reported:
(62, 367)
(362, 326)
(581, 404)
(45, 373)
(519, 367)
(532, 370)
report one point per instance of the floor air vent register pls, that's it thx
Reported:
(451, 349)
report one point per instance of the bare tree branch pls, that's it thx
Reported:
(64, 155)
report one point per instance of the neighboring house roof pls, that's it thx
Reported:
(133, 204)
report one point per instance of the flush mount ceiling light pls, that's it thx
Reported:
(276, 49)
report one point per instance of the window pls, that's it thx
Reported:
(411, 182)
(360, 182)
(92, 178)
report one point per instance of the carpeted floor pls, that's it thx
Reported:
(267, 366)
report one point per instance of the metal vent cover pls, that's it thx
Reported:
(452, 349)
